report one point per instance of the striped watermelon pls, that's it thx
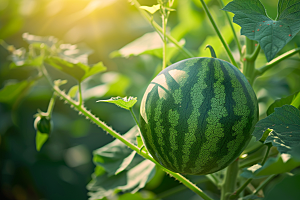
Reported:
(197, 115)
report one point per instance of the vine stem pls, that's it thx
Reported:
(134, 117)
(238, 191)
(51, 104)
(144, 13)
(275, 61)
(82, 110)
(229, 183)
(164, 24)
(232, 28)
(218, 33)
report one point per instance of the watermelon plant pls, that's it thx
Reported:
(202, 119)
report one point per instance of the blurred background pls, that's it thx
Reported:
(63, 167)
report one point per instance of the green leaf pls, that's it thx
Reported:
(285, 126)
(288, 188)
(150, 43)
(125, 102)
(116, 156)
(131, 180)
(283, 163)
(151, 9)
(73, 91)
(33, 39)
(250, 197)
(75, 52)
(146, 195)
(40, 139)
(12, 90)
(78, 70)
(280, 102)
(118, 168)
(112, 84)
(272, 35)
(139, 141)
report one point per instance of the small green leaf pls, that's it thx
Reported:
(139, 141)
(97, 68)
(78, 70)
(151, 9)
(272, 35)
(73, 91)
(11, 91)
(283, 163)
(280, 102)
(125, 102)
(40, 139)
(33, 39)
(285, 126)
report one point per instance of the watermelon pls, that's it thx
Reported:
(197, 115)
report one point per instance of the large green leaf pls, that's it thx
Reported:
(125, 102)
(119, 169)
(285, 126)
(280, 102)
(287, 189)
(150, 43)
(12, 90)
(272, 35)
(78, 70)
(283, 163)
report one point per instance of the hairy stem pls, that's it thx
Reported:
(218, 33)
(82, 110)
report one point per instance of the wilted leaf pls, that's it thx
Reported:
(125, 102)
(272, 35)
(285, 126)
(280, 102)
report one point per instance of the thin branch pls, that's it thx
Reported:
(275, 61)
(144, 13)
(219, 33)
(232, 28)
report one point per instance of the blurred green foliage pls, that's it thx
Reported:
(63, 167)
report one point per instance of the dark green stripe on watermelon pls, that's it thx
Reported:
(181, 129)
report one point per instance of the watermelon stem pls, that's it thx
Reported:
(229, 183)
(212, 51)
